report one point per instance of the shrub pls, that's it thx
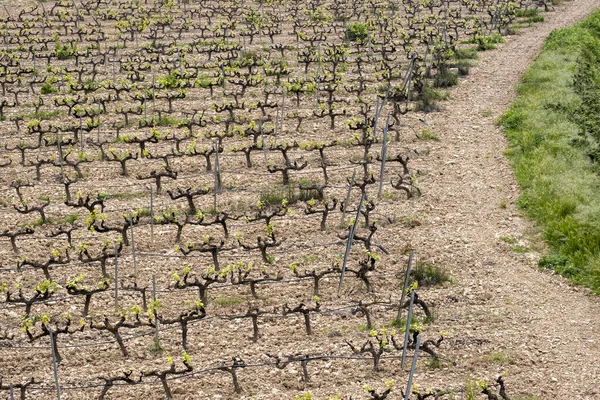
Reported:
(357, 32)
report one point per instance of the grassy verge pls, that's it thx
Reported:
(560, 182)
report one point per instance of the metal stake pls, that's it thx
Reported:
(52, 344)
(412, 368)
(133, 249)
(406, 275)
(407, 331)
(154, 300)
(383, 157)
(151, 215)
(116, 277)
(347, 198)
(350, 240)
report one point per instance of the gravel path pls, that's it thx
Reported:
(548, 329)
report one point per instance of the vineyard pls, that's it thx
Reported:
(215, 199)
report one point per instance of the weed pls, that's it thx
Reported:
(499, 358)
(485, 42)
(464, 67)
(486, 113)
(503, 203)
(47, 88)
(428, 99)
(472, 388)
(520, 249)
(445, 78)
(155, 347)
(434, 363)
(276, 196)
(227, 301)
(428, 274)
(508, 239)
(533, 20)
(466, 54)
(357, 32)
(427, 135)
(528, 12)
(412, 221)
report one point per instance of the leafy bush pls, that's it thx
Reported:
(357, 32)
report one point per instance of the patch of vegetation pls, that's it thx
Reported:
(486, 113)
(468, 53)
(533, 20)
(42, 115)
(463, 67)
(357, 32)
(427, 135)
(553, 130)
(429, 274)
(520, 249)
(226, 301)
(288, 193)
(508, 239)
(526, 12)
(122, 196)
(428, 99)
(486, 42)
(445, 78)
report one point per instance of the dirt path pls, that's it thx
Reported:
(548, 329)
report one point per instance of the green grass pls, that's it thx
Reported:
(531, 12)
(428, 274)
(226, 301)
(427, 135)
(560, 184)
(508, 239)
